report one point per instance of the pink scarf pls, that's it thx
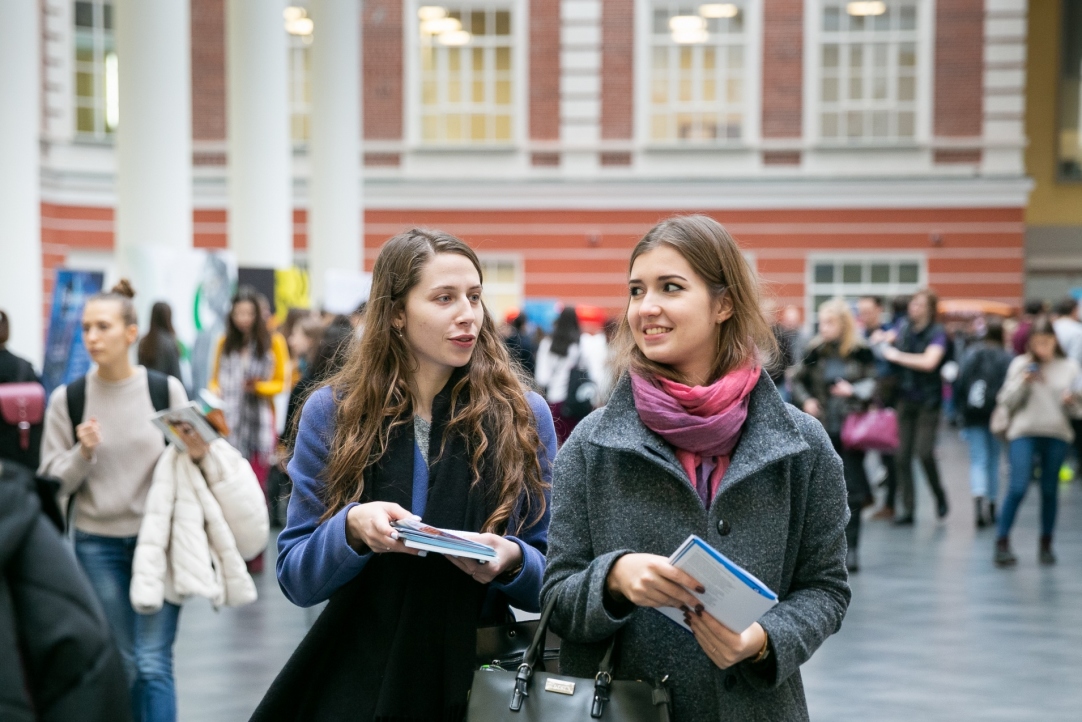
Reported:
(703, 423)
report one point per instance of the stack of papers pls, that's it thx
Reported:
(733, 595)
(172, 422)
(418, 535)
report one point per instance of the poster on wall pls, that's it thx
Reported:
(66, 358)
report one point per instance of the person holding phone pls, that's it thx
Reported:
(1041, 391)
(695, 439)
(427, 419)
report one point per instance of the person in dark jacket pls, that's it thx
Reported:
(838, 378)
(983, 371)
(159, 349)
(14, 369)
(696, 440)
(58, 662)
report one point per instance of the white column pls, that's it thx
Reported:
(260, 153)
(580, 85)
(153, 139)
(20, 206)
(1005, 26)
(335, 187)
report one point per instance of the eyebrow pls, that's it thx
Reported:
(454, 288)
(661, 278)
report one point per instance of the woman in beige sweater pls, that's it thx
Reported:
(105, 462)
(1042, 386)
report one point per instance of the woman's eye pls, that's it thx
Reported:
(635, 291)
(475, 298)
(672, 288)
(443, 299)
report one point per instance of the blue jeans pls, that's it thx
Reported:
(1022, 453)
(145, 640)
(984, 451)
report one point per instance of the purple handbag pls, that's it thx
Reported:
(872, 430)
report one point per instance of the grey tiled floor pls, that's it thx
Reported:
(935, 632)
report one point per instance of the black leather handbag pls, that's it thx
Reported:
(528, 695)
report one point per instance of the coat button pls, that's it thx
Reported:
(724, 527)
(730, 682)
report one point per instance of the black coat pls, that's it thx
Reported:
(57, 656)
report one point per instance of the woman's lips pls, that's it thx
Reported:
(464, 341)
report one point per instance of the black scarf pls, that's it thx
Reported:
(398, 641)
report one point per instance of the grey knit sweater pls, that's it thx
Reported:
(780, 512)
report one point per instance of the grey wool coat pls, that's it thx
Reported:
(780, 512)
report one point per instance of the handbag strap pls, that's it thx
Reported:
(602, 681)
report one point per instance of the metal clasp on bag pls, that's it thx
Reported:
(522, 680)
(601, 694)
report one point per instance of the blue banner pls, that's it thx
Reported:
(66, 358)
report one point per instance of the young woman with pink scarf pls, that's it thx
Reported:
(696, 440)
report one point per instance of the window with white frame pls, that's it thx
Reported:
(300, 28)
(699, 88)
(503, 284)
(466, 73)
(97, 107)
(869, 70)
(851, 277)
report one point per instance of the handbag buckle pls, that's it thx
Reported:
(601, 694)
(522, 679)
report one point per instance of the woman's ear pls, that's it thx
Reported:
(724, 305)
(131, 333)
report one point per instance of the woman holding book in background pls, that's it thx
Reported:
(427, 419)
(105, 461)
(696, 440)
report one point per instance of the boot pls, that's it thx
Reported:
(852, 561)
(978, 503)
(1004, 557)
(1046, 556)
(991, 513)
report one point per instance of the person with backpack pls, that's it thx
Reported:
(569, 372)
(159, 349)
(919, 348)
(100, 443)
(22, 405)
(983, 370)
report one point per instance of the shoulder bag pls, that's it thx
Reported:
(22, 405)
(527, 695)
(872, 430)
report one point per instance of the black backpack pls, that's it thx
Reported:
(979, 382)
(76, 396)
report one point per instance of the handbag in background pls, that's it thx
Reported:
(528, 695)
(22, 405)
(871, 430)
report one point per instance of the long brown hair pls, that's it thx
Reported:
(488, 404)
(713, 254)
(235, 339)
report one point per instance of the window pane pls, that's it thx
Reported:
(907, 88)
(108, 16)
(829, 125)
(854, 124)
(851, 273)
(907, 273)
(84, 85)
(503, 22)
(880, 273)
(824, 273)
(830, 89)
(831, 18)
(84, 15)
(1070, 93)
(906, 125)
(84, 120)
(909, 17)
(830, 56)
(880, 124)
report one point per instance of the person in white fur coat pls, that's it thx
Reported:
(205, 515)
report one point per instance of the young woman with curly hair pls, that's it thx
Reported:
(429, 419)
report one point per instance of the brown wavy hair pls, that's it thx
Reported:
(712, 253)
(488, 403)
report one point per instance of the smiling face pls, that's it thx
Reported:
(106, 336)
(672, 315)
(443, 314)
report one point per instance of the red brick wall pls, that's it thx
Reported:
(783, 68)
(208, 69)
(544, 71)
(617, 69)
(959, 67)
(959, 76)
(383, 72)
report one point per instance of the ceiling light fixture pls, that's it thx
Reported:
(864, 9)
(719, 10)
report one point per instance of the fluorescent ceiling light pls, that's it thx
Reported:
(719, 10)
(686, 23)
(454, 38)
(690, 37)
(431, 12)
(301, 26)
(860, 9)
(293, 12)
(439, 26)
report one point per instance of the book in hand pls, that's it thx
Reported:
(733, 595)
(170, 422)
(418, 535)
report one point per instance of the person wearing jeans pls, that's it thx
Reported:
(145, 640)
(105, 461)
(1041, 391)
(984, 452)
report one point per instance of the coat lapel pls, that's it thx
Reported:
(769, 434)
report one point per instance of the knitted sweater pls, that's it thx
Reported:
(110, 489)
(1037, 407)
